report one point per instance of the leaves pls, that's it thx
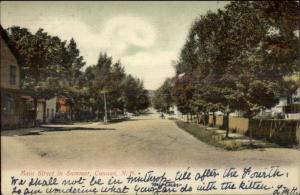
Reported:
(237, 58)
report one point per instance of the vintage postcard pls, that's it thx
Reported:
(150, 97)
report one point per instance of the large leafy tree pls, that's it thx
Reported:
(41, 55)
(54, 67)
(71, 83)
(97, 78)
(163, 98)
(122, 91)
(268, 52)
(51, 66)
(134, 95)
(237, 58)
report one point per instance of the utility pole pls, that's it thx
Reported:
(105, 109)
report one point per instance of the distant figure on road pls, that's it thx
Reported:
(162, 115)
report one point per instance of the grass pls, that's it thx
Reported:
(218, 139)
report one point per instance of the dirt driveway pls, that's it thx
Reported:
(145, 141)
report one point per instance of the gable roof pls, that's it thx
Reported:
(10, 45)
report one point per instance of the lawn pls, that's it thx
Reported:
(216, 137)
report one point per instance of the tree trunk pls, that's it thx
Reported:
(249, 115)
(97, 116)
(214, 119)
(227, 124)
(250, 132)
(71, 113)
(44, 112)
(204, 118)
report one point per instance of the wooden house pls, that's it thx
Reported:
(49, 109)
(11, 102)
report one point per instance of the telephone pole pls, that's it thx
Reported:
(105, 109)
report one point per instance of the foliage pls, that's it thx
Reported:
(237, 58)
(54, 67)
(163, 97)
(123, 91)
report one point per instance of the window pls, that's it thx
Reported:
(10, 105)
(13, 74)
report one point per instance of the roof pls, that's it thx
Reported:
(10, 45)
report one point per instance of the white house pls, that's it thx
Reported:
(46, 109)
(279, 108)
(292, 110)
(50, 109)
(175, 110)
(40, 110)
(289, 106)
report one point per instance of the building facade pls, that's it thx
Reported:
(11, 102)
(292, 109)
(288, 107)
(50, 109)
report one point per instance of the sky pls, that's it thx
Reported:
(145, 36)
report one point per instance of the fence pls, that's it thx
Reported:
(220, 121)
(238, 124)
(282, 132)
(210, 120)
(216, 120)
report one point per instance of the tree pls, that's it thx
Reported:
(71, 77)
(122, 91)
(54, 67)
(97, 78)
(184, 90)
(143, 100)
(237, 58)
(41, 53)
(117, 76)
(132, 91)
(265, 57)
(163, 98)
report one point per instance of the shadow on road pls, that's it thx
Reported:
(31, 133)
(40, 130)
(139, 119)
(53, 129)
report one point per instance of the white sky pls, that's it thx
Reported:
(146, 36)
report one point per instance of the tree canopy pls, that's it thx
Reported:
(237, 58)
(55, 67)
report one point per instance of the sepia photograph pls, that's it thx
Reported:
(150, 97)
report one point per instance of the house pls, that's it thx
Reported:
(63, 105)
(40, 110)
(116, 113)
(11, 102)
(279, 108)
(55, 109)
(174, 110)
(292, 109)
(49, 109)
(288, 106)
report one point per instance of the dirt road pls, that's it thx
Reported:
(145, 141)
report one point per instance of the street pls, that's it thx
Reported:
(143, 141)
